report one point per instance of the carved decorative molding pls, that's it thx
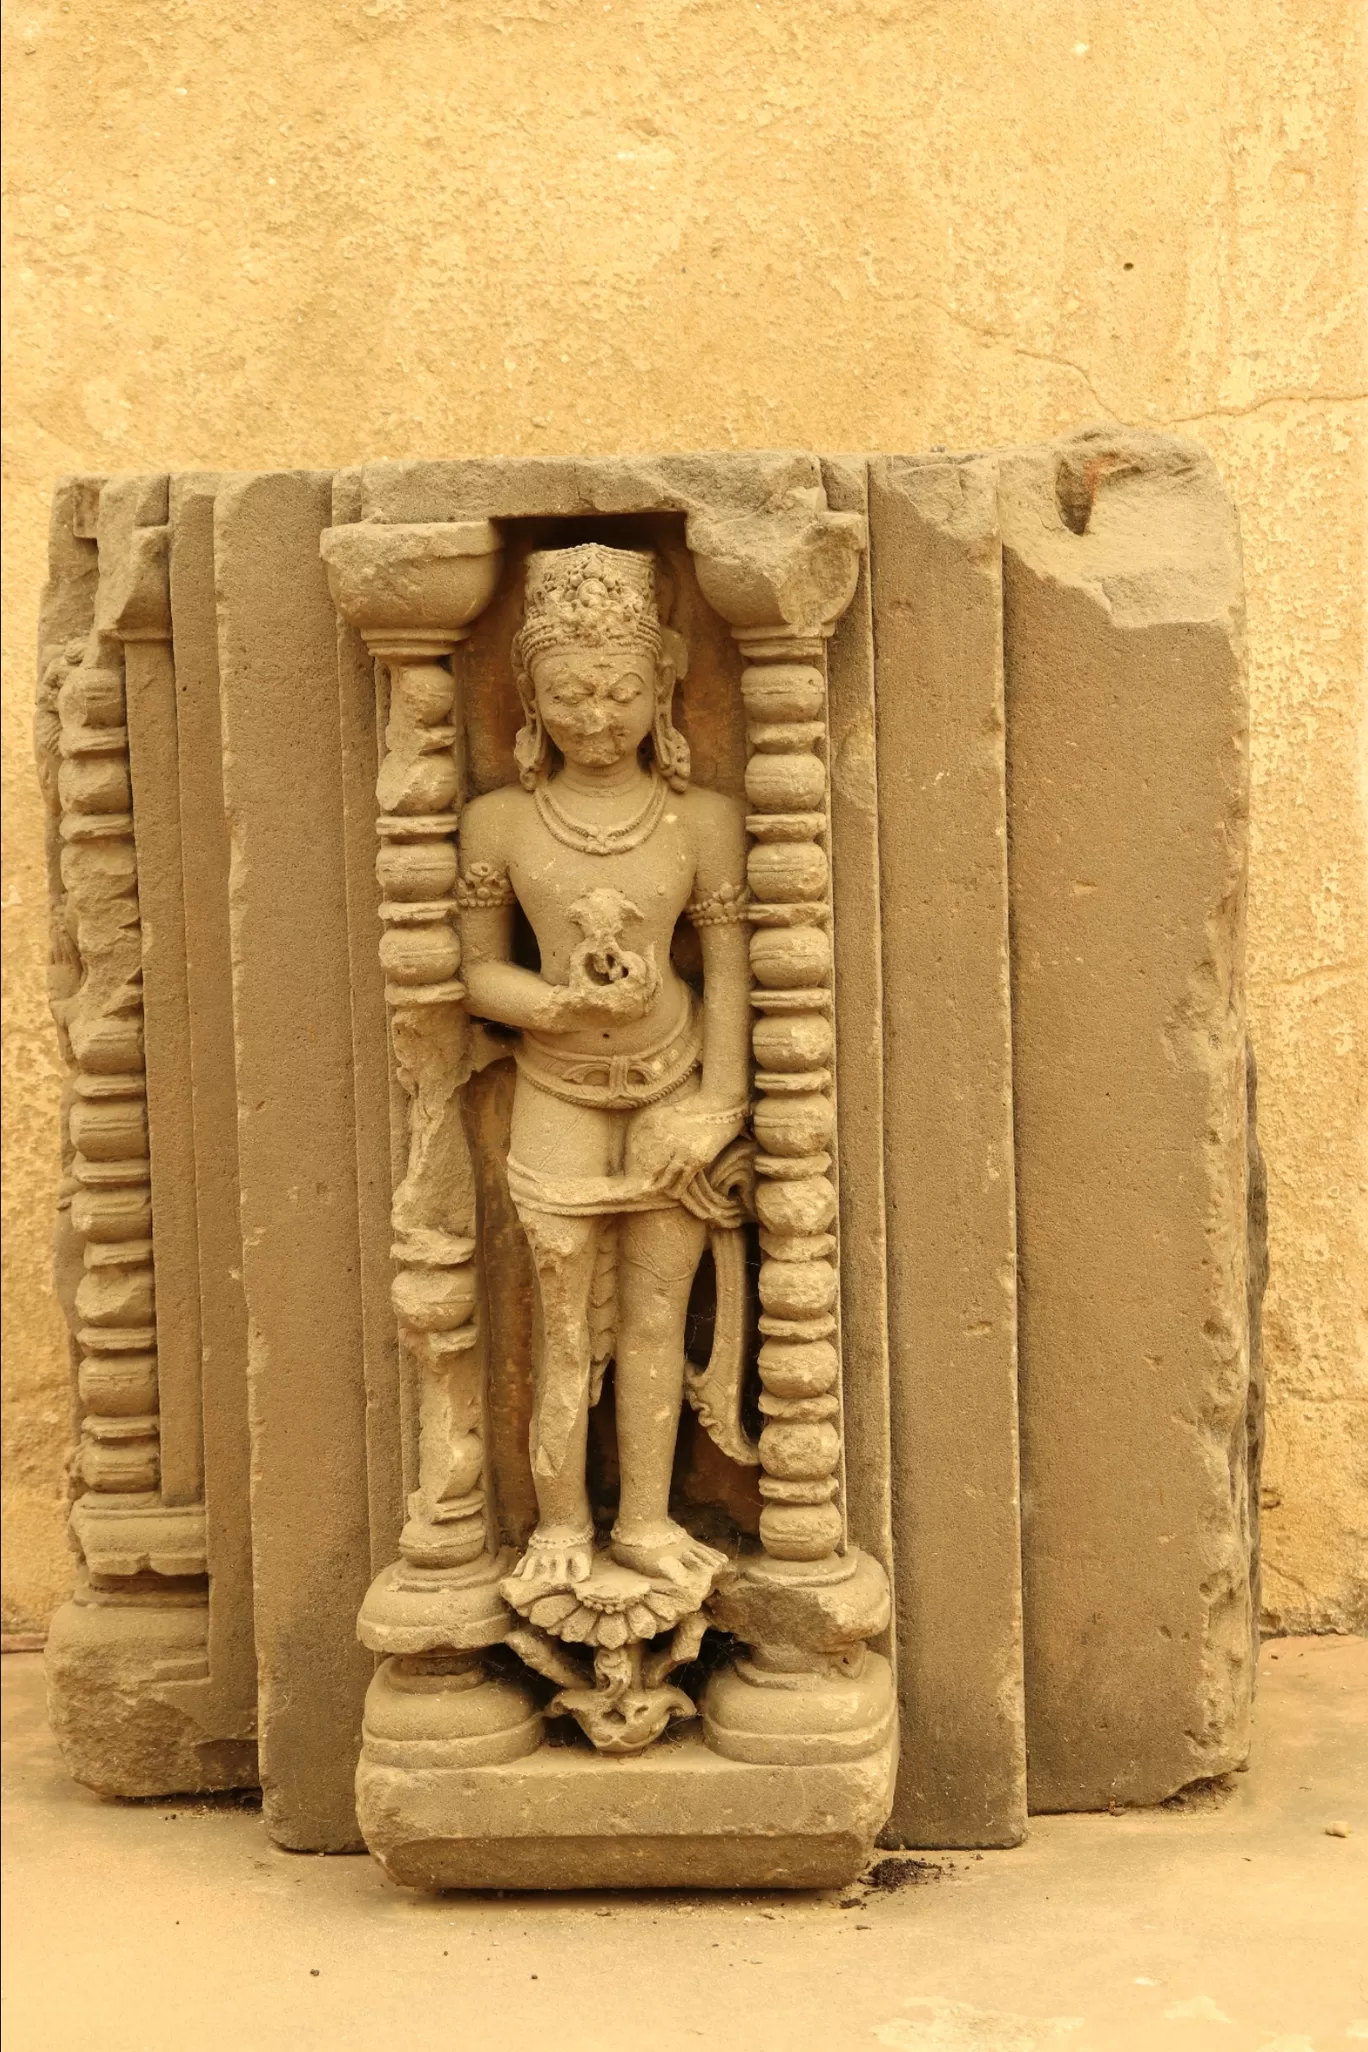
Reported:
(120, 1523)
(412, 592)
(111, 1207)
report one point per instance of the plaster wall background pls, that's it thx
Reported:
(307, 232)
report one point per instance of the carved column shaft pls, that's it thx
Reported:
(137, 1469)
(784, 688)
(412, 592)
(111, 1203)
(434, 1291)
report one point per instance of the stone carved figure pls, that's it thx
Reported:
(669, 1086)
(626, 1146)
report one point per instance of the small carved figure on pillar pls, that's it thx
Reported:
(626, 1149)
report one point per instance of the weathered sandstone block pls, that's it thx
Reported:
(947, 1047)
(654, 1193)
(277, 657)
(145, 1675)
(1126, 745)
(222, 1322)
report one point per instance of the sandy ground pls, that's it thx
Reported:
(1234, 1922)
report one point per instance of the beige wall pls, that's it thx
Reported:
(310, 231)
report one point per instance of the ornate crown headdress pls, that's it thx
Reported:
(589, 597)
(592, 596)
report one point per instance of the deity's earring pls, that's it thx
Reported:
(529, 746)
(671, 749)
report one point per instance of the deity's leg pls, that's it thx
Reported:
(660, 1253)
(563, 1251)
(560, 1142)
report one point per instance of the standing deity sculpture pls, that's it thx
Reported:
(626, 1148)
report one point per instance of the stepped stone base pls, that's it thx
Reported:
(677, 1816)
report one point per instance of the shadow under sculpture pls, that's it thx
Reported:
(633, 1148)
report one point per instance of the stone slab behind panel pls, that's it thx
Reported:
(136, 1668)
(226, 1697)
(296, 1147)
(1126, 747)
(948, 1140)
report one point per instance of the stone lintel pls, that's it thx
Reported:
(559, 488)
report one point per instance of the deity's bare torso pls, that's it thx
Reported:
(688, 854)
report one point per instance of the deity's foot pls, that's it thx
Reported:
(664, 1550)
(556, 1557)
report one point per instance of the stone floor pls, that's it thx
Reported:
(1236, 1922)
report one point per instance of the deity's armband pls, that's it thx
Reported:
(484, 888)
(728, 905)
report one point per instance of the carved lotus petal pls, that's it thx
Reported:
(614, 1605)
(548, 1611)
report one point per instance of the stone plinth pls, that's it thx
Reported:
(678, 1816)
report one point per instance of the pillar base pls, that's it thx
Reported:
(409, 1609)
(424, 1712)
(107, 1658)
(771, 1718)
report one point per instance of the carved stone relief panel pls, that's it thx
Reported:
(146, 1693)
(569, 1019)
(610, 995)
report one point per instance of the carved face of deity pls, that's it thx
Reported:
(596, 704)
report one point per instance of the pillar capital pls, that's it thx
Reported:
(786, 572)
(412, 591)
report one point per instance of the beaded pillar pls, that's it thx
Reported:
(412, 592)
(110, 1172)
(784, 688)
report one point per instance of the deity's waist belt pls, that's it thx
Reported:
(621, 1082)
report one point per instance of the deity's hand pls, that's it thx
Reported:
(591, 998)
(670, 1143)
